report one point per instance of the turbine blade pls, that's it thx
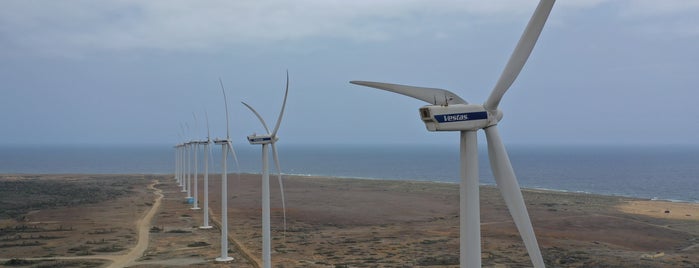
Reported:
(208, 130)
(225, 101)
(258, 116)
(520, 54)
(210, 146)
(182, 136)
(235, 156)
(511, 193)
(281, 114)
(426, 94)
(196, 123)
(179, 136)
(281, 185)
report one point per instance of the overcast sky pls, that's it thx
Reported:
(133, 72)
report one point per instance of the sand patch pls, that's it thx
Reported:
(661, 209)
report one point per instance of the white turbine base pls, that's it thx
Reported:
(220, 259)
(195, 208)
(206, 227)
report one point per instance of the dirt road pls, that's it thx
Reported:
(143, 226)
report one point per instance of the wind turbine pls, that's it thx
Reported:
(207, 152)
(449, 112)
(265, 140)
(225, 145)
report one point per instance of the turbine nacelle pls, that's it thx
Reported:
(446, 111)
(458, 117)
(221, 141)
(262, 139)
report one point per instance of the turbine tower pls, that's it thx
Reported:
(449, 112)
(265, 140)
(183, 167)
(195, 148)
(182, 160)
(207, 152)
(225, 145)
(188, 152)
(187, 171)
(177, 163)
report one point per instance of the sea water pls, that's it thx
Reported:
(654, 172)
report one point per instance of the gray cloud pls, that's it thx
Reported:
(73, 27)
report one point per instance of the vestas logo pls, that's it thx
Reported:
(260, 139)
(446, 118)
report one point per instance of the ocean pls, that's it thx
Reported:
(653, 172)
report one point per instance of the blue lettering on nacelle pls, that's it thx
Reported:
(446, 118)
(260, 139)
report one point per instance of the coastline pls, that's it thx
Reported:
(644, 171)
(482, 184)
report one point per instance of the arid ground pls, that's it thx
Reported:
(92, 221)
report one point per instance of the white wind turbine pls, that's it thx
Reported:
(207, 152)
(225, 145)
(265, 140)
(449, 112)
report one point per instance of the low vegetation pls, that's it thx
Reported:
(20, 196)
(18, 262)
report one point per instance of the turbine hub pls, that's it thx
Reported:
(495, 116)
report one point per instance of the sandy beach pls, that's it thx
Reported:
(342, 223)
